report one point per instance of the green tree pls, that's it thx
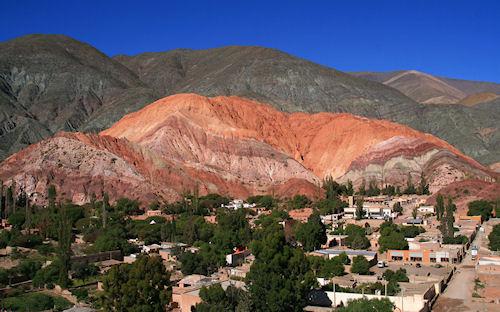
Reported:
(143, 286)
(51, 197)
(299, 201)
(481, 208)
(349, 188)
(17, 219)
(280, 277)
(397, 207)
(362, 190)
(64, 245)
(84, 270)
(215, 299)
(368, 305)
(127, 206)
(391, 237)
(410, 188)
(439, 206)
(360, 266)
(414, 213)
(360, 213)
(356, 237)
(446, 227)
(423, 187)
(2, 213)
(232, 230)
(494, 238)
(373, 189)
(9, 201)
(104, 213)
(311, 234)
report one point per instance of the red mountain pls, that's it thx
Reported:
(233, 146)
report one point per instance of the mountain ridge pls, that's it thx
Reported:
(77, 96)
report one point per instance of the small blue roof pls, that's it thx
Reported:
(349, 252)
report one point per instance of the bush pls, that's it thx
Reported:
(368, 305)
(35, 302)
(360, 266)
(460, 239)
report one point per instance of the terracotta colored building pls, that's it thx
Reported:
(301, 215)
(426, 256)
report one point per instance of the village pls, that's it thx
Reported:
(384, 246)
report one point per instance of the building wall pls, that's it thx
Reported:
(186, 301)
(413, 303)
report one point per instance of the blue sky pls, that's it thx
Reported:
(450, 38)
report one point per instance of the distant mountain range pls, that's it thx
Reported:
(51, 82)
(428, 89)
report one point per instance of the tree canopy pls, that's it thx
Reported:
(142, 286)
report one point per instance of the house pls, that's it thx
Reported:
(187, 293)
(237, 204)
(301, 215)
(239, 272)
(331, 218)
(488, 265)
(414, 221)
(377, 207)
(237, 257)
(210, 219)
(426, 256)
(153, 248)
(130, 258)
(426, 209)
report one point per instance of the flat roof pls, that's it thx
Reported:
(347, 251)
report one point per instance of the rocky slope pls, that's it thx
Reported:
(234, 146)
(50, 83)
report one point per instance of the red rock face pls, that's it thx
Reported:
(232, 146)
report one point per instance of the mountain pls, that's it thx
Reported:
(428, 89)
(478, 98)
(295, 85)
(419, 86)
(234, 146)
(50, 83)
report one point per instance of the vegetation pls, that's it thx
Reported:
(35, 302)
(328, 268)
(391, 237)
(215, 299)
(494, 238)
(447, 220)
(311, 234)
(360, 266)
(368, 305)
(141, 286)
(356, 237)
(393, 278)
(265, 201)
(481, 208)
(280, 277)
